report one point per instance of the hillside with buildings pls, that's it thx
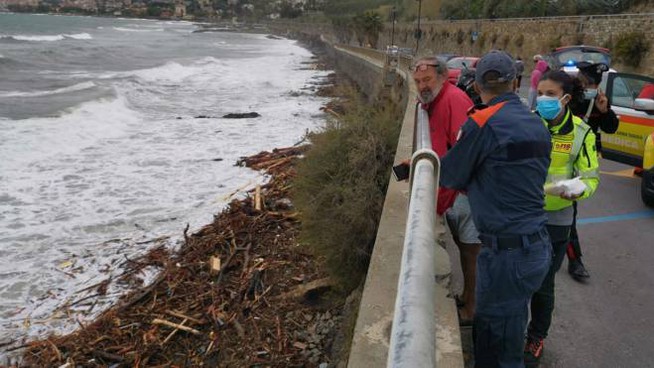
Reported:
(186, 9)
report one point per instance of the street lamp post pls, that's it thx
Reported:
(418, 34)
(393, 27)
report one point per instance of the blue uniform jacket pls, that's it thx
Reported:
(501, 160)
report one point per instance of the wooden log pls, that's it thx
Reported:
(214, 265)
(301, 290)
(183, 316)
(158, 321)
(173, 333)
(257, 198)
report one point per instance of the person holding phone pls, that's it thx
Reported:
(447, 107)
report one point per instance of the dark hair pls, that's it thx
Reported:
(570, 86)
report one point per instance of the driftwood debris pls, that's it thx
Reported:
(243, 308)
(176, 326)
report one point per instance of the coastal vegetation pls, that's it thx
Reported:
(342, 182)
(631, 48)
(480, 9)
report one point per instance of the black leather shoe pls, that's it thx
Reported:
(577, 270)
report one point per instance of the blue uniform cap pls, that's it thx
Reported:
(495, 61)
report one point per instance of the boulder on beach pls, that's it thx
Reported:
(244, 115)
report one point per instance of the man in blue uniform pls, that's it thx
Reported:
(501, 160)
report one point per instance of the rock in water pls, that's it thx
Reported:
(245, 115)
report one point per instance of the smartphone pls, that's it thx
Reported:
(401, 172)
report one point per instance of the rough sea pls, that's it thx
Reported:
(101, 151)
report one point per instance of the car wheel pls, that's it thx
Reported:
(647, 187)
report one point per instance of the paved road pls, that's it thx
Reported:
(608, 321)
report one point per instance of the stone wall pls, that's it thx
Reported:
(523, 37)
(526, 37)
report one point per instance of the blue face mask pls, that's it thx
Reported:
(590, 94)
(548, 107)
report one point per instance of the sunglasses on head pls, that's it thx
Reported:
(423, 66)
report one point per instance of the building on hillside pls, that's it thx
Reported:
(205, 6)
(86, 5)
(180, 9)
(6, 4)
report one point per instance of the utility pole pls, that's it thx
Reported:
(393, 13)
(418, 33)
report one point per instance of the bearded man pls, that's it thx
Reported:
(447, 107)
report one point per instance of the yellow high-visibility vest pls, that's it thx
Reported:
(573, 154)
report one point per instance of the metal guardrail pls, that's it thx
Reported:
(413, 335)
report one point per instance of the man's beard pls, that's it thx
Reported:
(427, 96)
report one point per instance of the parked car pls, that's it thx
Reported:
(455, 65)
(392, 50)
(446, 56)
(567, 57)
(632, 101)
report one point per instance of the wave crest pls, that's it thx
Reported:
(73, 88)
(123, 29)
(48, 38)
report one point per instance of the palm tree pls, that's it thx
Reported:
(368, 26)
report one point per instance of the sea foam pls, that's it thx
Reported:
(48, 38)
(73, 88)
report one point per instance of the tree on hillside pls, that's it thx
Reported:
(467, 9)
(368, 26)
(351, 7)
(289, 10)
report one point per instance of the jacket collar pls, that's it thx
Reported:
(565, 127)
(509, 96)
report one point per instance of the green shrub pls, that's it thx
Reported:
(609, 43)
(460, 36)
(579, 38)
(481, 41)
(554, 42)
(520, 40)
(341, 186)
(631, 48)
(505, 41)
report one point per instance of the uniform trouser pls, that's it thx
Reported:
(542, 302)
(574, 237)
(506, 279)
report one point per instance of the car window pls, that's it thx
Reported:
(576, 56)
(455, 64)
(621, 94)
(627, 87)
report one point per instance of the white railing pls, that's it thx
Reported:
(413, 335)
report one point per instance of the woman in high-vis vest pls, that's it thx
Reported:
(574, 154)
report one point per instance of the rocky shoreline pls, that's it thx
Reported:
(240, 292)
